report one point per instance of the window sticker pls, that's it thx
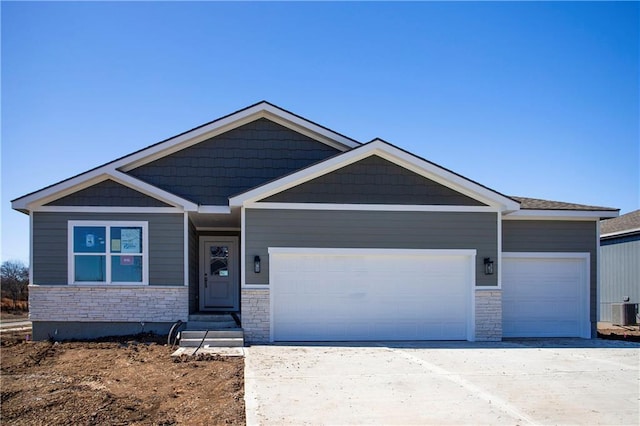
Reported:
(130, 240)
(115, 245)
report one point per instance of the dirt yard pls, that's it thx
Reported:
(132, 381)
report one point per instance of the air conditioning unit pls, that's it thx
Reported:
(624, 313)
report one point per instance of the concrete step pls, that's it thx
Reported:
(210, 325)
(213, 342)
(199, 334)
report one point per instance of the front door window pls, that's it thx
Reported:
(219, 261)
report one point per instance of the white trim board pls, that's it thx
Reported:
(391, 153)
(39, 199)
(114, 169)
(185, 247)
(372, 207)
(560, 215)
(100, 209)
(372, 251)
(108, 255)
(546, 254)
(620, 233)
(232, 121)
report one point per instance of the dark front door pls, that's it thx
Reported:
(219, 274)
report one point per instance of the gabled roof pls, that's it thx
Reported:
(626, 224)
(115, 168)
(389, 152)
(352, 151)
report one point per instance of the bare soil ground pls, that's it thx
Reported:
(127, 381)
(10, 312)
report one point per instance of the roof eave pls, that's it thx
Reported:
(389, 151)
(190, 137)
(562, 214)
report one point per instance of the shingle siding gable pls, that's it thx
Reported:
(373, 180)
(230, 163)
(108, 194)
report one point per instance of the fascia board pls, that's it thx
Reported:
(39, 199)
(225, 124)
(391, 153)
(620, 233)
(192, 137)
(560, 215)
(445, 177)
(299, 177)
(59, 190)
(301, 125)
(186, 140)
(214, 209)
(152, 191)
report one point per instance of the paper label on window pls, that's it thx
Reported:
(115, 245)
(130, 241)
(224, 273)
(126, 260)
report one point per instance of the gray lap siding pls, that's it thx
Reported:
(368, 229)
(555, 236)
(50, 255)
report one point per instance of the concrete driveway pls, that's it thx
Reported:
(558, 381)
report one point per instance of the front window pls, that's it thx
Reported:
(108, 252)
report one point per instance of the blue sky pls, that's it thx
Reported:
(530, 99)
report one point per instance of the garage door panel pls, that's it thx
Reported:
(370, 297)
(545, 296)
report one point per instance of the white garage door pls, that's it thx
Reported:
(370, 294)
(545, 295)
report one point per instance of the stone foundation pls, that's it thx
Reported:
(137, 304)
(488, 315)
(255, 315)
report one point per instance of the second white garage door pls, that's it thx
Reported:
(370, 294)
(545, 295)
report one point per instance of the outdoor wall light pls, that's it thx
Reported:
(488, 266)
(256, 264)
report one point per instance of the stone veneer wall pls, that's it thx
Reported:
(108, 303)
(255, 315)
(488, 315)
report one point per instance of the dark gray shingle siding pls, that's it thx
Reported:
(108, 194)
(231, 163)
(373, 180)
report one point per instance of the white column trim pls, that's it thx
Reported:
(186, 248)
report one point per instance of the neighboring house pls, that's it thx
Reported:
(619, 262)
(307, 235)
